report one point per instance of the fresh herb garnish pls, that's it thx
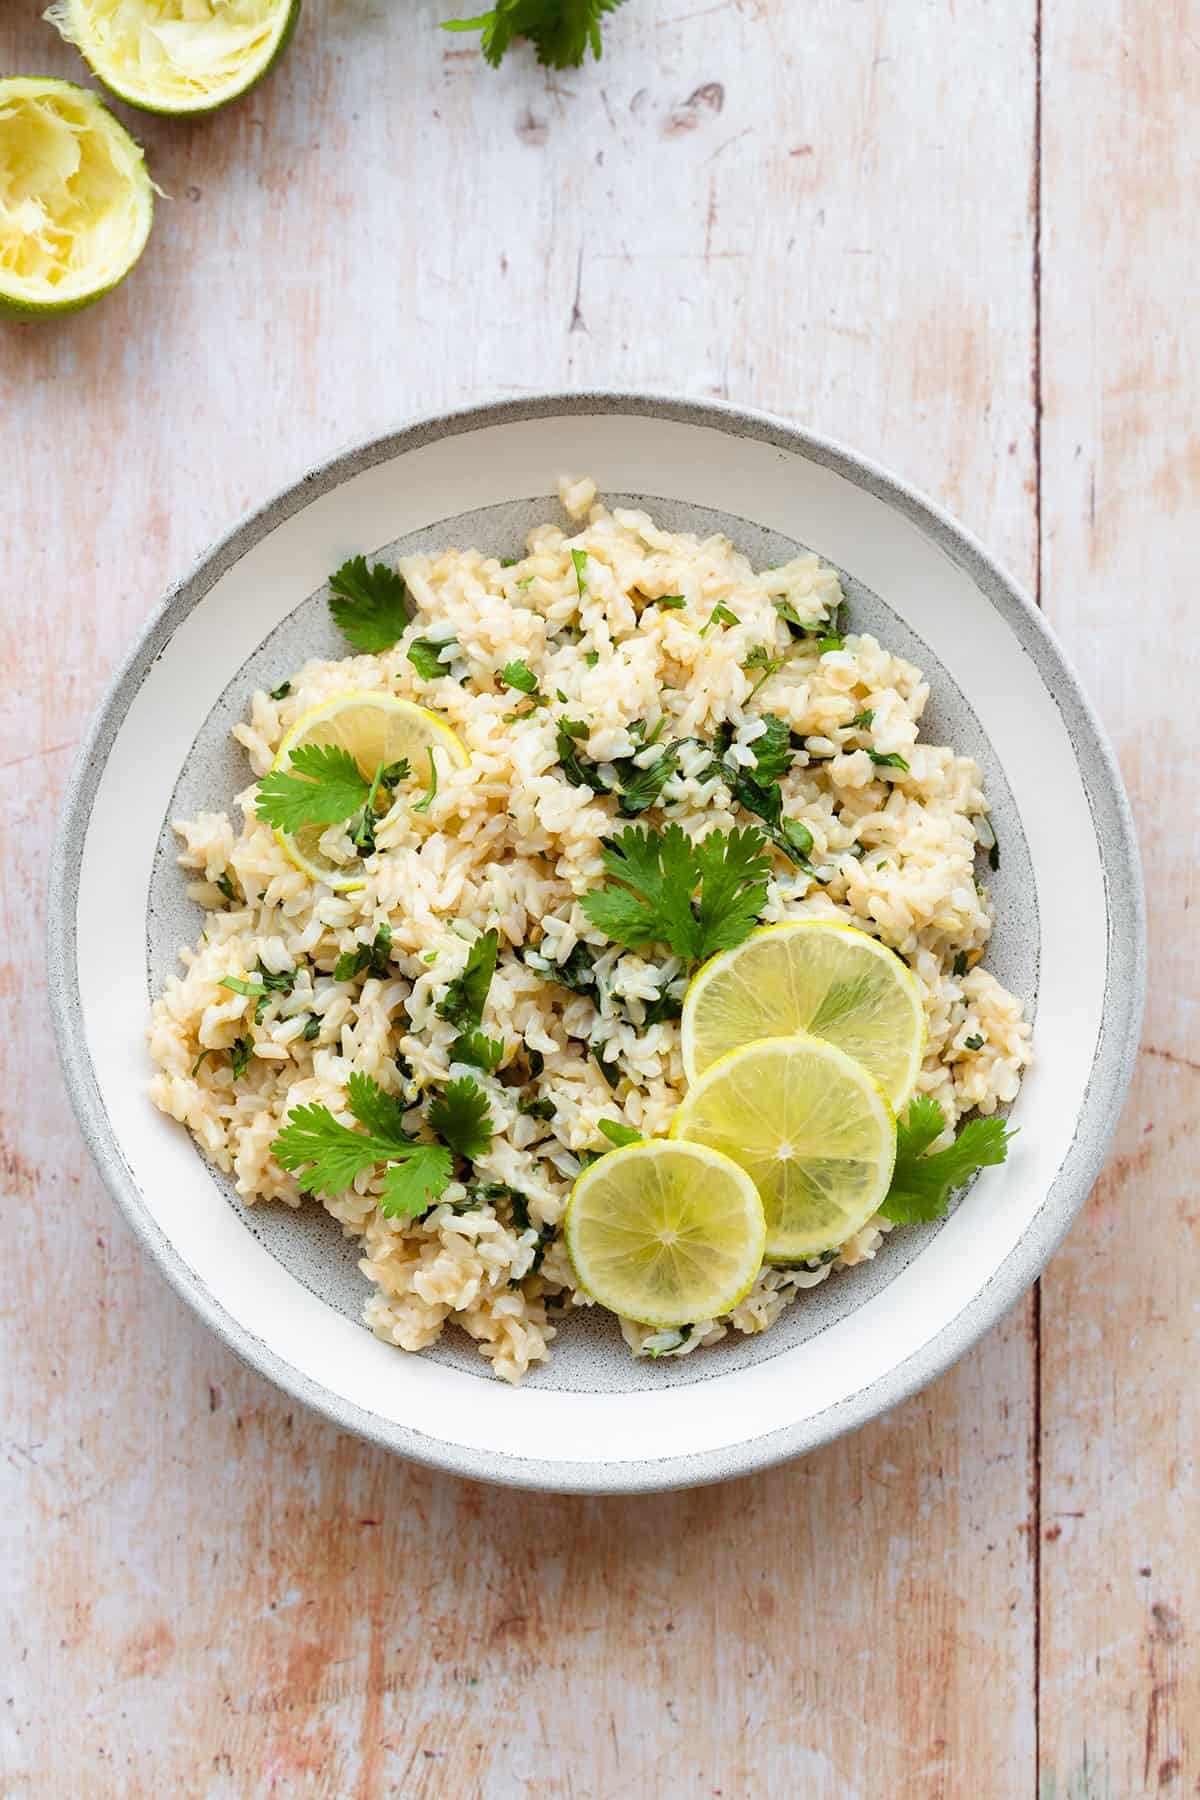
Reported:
(592, 658)
(579, 558)
(864, 720)
(720, 615)
(460, 1117)
(758, 790)
(577, 771)
(240, 1052)
(644, 786)
(519, 675)
(368, 605)
(537, 1109)
(577, 971)
(652, 893)
(672, 602)
(974, 1042)
(200, 1062)
(225, 885)
(618, 1134)
(922, 1184)
(891, 761)
(426, 801)
(322, 785)
(325, 1155)
(960, 963)
(426, 657)
(374, 958)
(312, 1028)
(611, 1071)
(466, 996)
(562, 34)
(281, 692)
(259, 985)
(483, 1052)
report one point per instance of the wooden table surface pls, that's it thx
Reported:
(959, 235)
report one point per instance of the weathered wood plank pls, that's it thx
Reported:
(1120, 1574)
(824, 210)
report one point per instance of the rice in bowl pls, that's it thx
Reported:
(649, 639)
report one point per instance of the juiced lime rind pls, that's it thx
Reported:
(619, 1210)
(834, 1119)
(72, 20)
(18, 298)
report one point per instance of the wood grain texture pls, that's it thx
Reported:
(1120, 1574)
(830, 210)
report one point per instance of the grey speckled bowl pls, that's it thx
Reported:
(281, 1288)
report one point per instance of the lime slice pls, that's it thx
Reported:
(177, 56)
(810, 1127)
(76, 203)
(375, 729)
(816, 976)
(665, 1233)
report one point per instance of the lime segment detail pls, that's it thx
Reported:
(177, 56)
(815, 976)
(665, 1233)
(76, 203)
(811, 1128)
(375, 729)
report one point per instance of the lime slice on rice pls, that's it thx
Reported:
(178, 56)
(76, 203)
(811, 1128)
(375, 729)
(815, 975)
(665, 1233)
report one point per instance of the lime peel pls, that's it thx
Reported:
(76, 201)
(177, 56)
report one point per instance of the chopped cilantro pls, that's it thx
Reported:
(374, 958)
(225, 885)
(579, 558)
(281, 692)
(974, 1042)
(519, 675)
(423, 805)
(460, 1117)
(466, 996)
(537, 1109)
(891, 761)
(619, 1134)
(672, 602)
(240, 1052)
(426, 657)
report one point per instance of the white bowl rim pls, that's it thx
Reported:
(1116, 1048)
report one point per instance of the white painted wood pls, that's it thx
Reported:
(827, 209)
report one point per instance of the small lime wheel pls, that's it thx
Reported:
(665, 1233)
(178, 56)
(76, 203)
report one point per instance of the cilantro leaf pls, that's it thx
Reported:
(411, 1187)
(224, 883)
(473, 1047)
(369, 606)
(577, 971)
(326, 1155)
(618, 1134)
(891, 761)
(519, 675)
(460, 1117)
(466, 996)
(733, 888)
(561, 31)
(322, 785)
(922, 1184)
(579, 558)
(426, 657)
(643, 788)
(672, 602)
(577, 771)
(374, 958)
(426, 801)
(240, 1052)
(538, 1108)
(281, 692)
(653, 876)
(773, 750)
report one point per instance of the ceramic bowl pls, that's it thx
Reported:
(281, 1288)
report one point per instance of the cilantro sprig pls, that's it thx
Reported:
(323, 785)
(561, 31)
(369, 605)
(326, 1155)
(463, 1002)
(757, 789)
(461, 1118)
(922, 1183)
(696, 898)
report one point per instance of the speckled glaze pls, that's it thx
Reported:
(589, 1358)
